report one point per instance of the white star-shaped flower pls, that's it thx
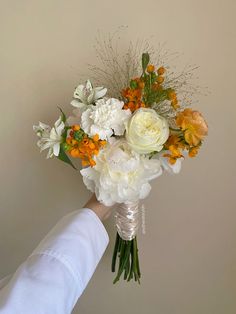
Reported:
(50, 138)
(87, 94)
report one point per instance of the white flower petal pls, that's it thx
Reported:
(77, 104)
(100, 92)
(106, 118)
(56, 149)
(120, 174)
(79, 91)
(147, 131)
(172, 169)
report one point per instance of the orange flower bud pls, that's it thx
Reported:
(193, 151)
(92, 162)
(85, 163)
(91, 145)
(96, 137)
(150, 68)
(175, 104)
(76, 127)
(172, 95)
(161, 71)
(74, 153)
(141, 84)
(160, 79)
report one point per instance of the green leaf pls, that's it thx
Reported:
(152, 154)
(145, 60)
(63, 157)
(133, 84)
(63, 116)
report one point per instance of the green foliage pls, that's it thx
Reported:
(145, 61)
(63, 156)
(152, 154)
(133, 84)
(79, 135)
(63, 116)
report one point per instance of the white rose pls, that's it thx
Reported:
(105, 119)
(147, 131)
(120, 174)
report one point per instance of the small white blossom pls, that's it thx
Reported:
(50, 138)
(86, 95)
(105, 119)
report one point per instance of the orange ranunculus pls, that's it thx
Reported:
(194, 126)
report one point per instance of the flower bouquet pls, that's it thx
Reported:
(124, 143)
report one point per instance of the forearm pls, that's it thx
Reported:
(102, 211)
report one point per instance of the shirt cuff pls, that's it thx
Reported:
(78, 240)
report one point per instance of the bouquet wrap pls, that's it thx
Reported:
(127, 220)
(126, 251)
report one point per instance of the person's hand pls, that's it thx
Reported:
(102, 211)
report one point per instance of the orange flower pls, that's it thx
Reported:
(76, 127)
(194, 126)
(85, 149)
(133, 97)
(133, 106)
(174, 140)
(174, 145)
(132, 94)
(193, 151)
(174, 154)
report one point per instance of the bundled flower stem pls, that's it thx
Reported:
(126, 251)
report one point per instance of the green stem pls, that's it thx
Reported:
(117, 244)
(127, 253)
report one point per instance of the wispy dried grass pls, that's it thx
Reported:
(119, 61)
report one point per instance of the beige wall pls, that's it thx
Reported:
(188, 254)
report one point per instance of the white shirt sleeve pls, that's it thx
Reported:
(54, 276)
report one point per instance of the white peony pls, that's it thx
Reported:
(147, 131)
(105, 119)
(50, 138)
(120, 174)
(86, 95)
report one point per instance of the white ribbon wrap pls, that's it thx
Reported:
(127, 220)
